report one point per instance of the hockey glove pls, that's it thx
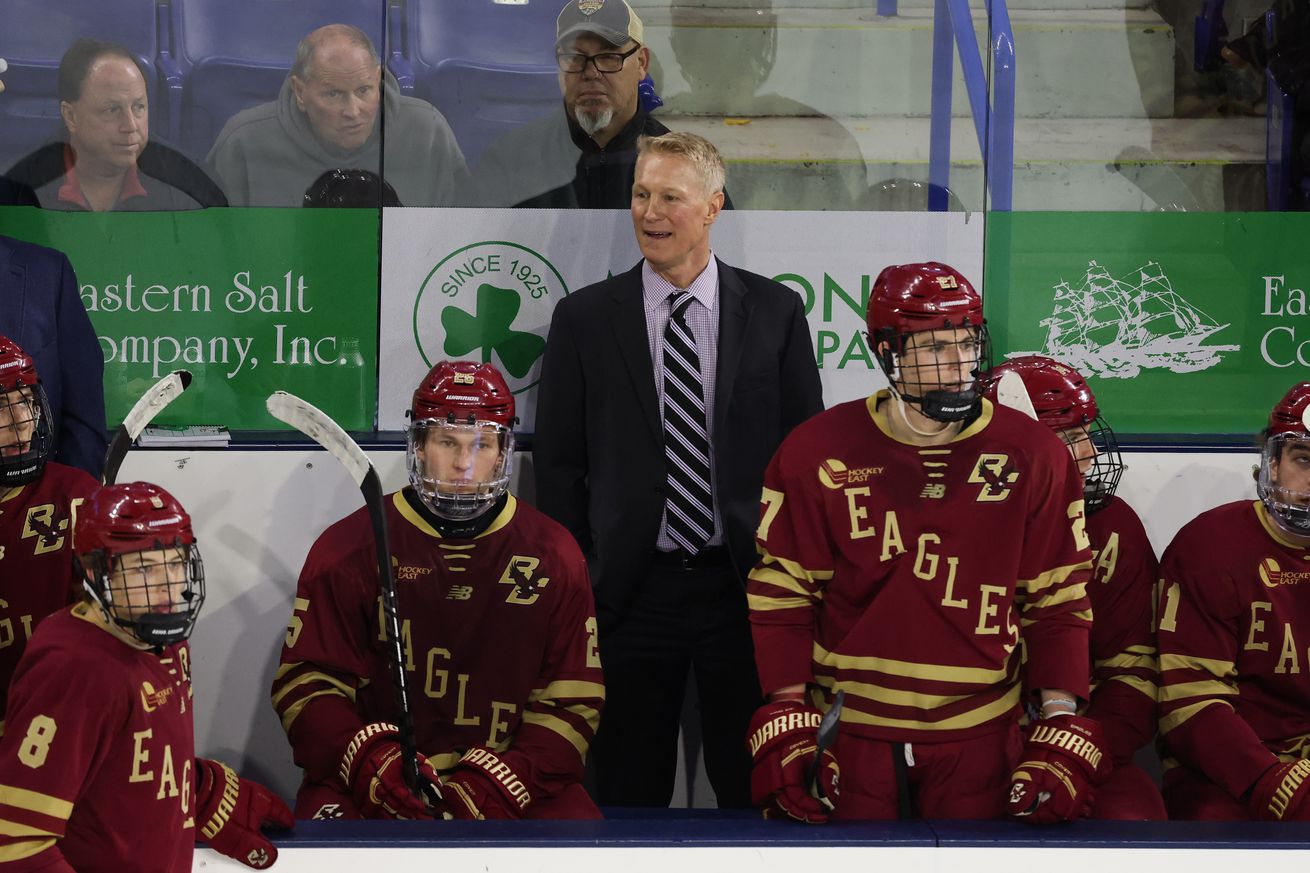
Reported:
(374, 770)
(1279, 795)
(782, 746)
(232, 811)
(1063, 760)
(485, 785)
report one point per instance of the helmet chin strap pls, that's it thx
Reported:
(902, 403)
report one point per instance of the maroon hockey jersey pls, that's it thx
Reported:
(36, 567)
(97, 760)
(1234, 626)
(906, 575)
(499, 636)
(1122, 592)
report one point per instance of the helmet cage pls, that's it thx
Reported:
(142, 599)
(1107, 466)
(943, 402)
(1289, 508)
(23, 405)
(458, 499)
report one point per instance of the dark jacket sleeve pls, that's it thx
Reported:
(82, 434)
(559, 448)
(802, 392)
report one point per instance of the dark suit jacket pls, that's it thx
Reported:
(40, 309)
(599, 444)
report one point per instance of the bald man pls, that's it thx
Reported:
(326, 117)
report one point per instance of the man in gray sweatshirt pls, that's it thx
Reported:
(327, 117)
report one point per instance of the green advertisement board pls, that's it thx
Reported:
(249, 300)
(1183, 323)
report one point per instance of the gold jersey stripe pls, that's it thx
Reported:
(761, 603)
(1068, 593)
(293, 711)
(10, 852)
(1128, 661)
(1082, 615)
(1141, 650)
(892, 696)
(911, 669)
(1200, 688)
(795, 570)
(557, 725)
(35, 801)
(778, 579)
(1181, 715)
(1272, 529)
(568, 688)
(15, 829)
(445, 761)
(1145, 686)
(314, 676)
(969, 719)
(1051, 578)
(1213, 666)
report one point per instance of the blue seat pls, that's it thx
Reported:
(487, 66)
(235, 54)
(34, 34)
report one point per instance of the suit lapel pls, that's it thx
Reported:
(734, 315)
(628, 318)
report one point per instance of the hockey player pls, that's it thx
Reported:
(1121, 589)
(97, 766)
(498, 631)
(905, 541)
(1234, 620)
(37, 498)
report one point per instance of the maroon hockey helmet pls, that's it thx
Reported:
(463, 391)
(1064, 403)
(469, 408)
(26, 441)
(912, 298)
(907, 298)
(140, 561)
(1288, 414)
(1289, 425)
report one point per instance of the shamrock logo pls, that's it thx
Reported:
(489, 330)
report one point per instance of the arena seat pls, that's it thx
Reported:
(487, 66)
(235, 54)
(34, 36)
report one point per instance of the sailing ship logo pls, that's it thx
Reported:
(1115, 328)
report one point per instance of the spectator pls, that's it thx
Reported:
(330, 115)
(107, 161)
(664, 392)
(583, 157)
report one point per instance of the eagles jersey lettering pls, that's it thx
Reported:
(498, 633)
(36, 576)
(97, 763)
(906, 575)
(1234, 637)
(1124, 664)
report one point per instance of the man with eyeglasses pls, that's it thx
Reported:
(584, 159)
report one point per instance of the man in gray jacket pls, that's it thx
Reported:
(327, 117)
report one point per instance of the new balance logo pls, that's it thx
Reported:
(460, 592)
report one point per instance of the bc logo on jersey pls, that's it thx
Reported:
(997, 476)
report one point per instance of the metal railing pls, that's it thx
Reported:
(991, 103)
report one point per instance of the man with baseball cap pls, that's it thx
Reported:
(584, 159)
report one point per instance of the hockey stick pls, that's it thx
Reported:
(1011, 392)
(823, 740)
(315, 424)
(150, 404)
